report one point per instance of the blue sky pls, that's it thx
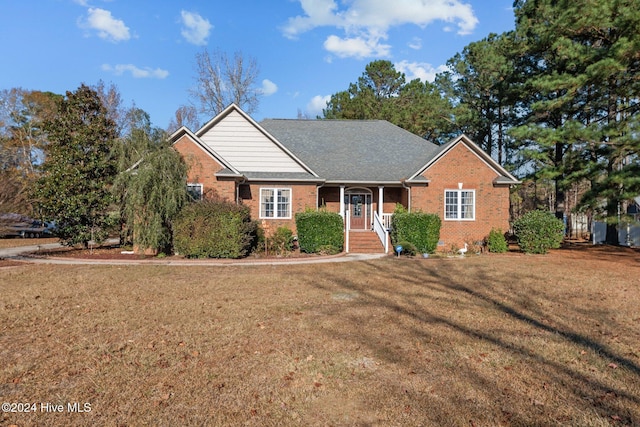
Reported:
(306, 50)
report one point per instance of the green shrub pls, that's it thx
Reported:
(538, 231)
(214, 229)
(420, 229)
(496, 241)
(319, 229)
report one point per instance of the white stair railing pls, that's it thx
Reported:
(381, 231)
(347, 227)
(386, 220)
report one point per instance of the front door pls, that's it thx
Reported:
(359, 211)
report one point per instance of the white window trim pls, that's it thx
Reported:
(275, 203)
(459, 206)
(197, 184)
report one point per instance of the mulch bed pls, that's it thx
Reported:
(115, 253)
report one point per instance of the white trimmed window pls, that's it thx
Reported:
(275, 203)
(460, 205)
(195, 190)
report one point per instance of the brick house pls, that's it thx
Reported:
(358, 168)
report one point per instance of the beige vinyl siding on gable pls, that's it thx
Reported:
(246, 148)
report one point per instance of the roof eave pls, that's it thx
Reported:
(362, 182)
(287, 180)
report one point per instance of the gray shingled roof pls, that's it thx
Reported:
(353, 150)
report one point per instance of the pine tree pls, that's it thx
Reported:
(485, 87)
(582, 62)
(382, 93)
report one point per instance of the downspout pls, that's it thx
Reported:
(408, 194)
(318, 187)
(242, 181)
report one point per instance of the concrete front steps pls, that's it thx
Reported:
(364, 242)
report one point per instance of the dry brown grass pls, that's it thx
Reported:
(482, 341)
(16, 242)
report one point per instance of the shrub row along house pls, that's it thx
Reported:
(359, 168)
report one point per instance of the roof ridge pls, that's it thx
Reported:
(326, 120)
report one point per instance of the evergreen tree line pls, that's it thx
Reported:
(555, 101)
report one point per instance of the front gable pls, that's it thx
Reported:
(461, 158)
(246, 146)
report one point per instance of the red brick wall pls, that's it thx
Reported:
(330, 198)
(461, 165)
(303, 196)
(202, 170)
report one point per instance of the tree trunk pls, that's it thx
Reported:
(559, 190)
(611, 237)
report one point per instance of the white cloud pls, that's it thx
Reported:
(357, 47)
(106, 25)
(316, 105)
(268, 87)
(415, 43)
(419, 70)
(365, 22)
(195, 29)
(136, 72)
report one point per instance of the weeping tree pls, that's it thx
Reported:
(150, 189)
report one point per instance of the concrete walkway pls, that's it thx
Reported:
(18, 254)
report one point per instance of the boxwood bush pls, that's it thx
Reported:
(496, 241)
(320, 231)
(420, 229)
(538, 231)
(214, 229)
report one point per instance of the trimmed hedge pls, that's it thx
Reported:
(420, 229)
(214, 229)
(320, 231)
(538, 231)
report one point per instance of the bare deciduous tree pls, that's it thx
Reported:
(221, 80)
(186, 115)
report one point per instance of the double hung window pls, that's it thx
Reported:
(460, 205)
(195, 191)
(275, 203)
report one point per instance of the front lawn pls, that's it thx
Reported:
(481, 341)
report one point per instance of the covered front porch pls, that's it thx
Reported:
(365, 209)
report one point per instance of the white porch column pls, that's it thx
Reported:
(380, 201)
(342, 207)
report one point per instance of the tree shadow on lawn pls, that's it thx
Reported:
(441, 306)
(606, 253)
